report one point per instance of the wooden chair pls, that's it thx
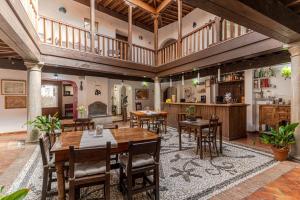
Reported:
(138, 106)
(142, 161)
(83, 124)
(209, 136)
(110, 126)
(160, 123)
(48, 168)
(89, 167)
(133, 121)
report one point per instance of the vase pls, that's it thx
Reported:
(280, 154)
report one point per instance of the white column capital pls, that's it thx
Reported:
(36, 66)
(156, 79)
(294, 48)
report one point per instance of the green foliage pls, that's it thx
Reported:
(46, 123)
(281, 138)
(191, 110)
(18, 195)
(286, 72)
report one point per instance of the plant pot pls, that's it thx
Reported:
(191, 118)
(280, 154)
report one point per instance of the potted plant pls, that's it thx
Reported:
(280, 140)
(82, 111)
(17, 195)
(46, 124)
(286, 72)
(190, 113)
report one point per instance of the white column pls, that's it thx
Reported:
(34, 103)
(294, 50)
(157, 95)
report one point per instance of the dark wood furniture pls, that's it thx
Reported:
(236, 88)
(121, 135)
(89, 167)
(273, 115)
(138, 106)
(83, 124)
(232, 116)
(199, 125)
(151, 116)
(209, 136)
(133, 121)
(142, 161)
(70, 123)
(68, 110)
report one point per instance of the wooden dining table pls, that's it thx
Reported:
(198, 125)
(150, 114)
(122, 136)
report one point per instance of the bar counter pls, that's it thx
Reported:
(232, 116)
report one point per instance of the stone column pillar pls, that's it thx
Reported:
(34, 103)
(157, 95)
(294, 50)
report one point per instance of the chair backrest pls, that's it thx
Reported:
(138, 106)
(151, 147)
(89, 155)
(44, 146)
(110, 126)
(181, 117)
(213, 125)
(83, 124)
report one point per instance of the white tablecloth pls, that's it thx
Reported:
(89, 139)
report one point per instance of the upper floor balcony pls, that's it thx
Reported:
(65, 34)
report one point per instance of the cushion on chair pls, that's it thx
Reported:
(137, 160)
(87, 169)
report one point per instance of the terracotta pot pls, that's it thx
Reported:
(280, 154)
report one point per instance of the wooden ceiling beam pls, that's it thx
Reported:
(293, 3)
(163, 5)
(142, 5)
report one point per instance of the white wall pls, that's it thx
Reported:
(171, 31)
(12, 120)
(76, 12)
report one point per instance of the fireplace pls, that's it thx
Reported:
(97, 109)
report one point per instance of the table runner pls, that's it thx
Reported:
(149, 112)
(89, 139)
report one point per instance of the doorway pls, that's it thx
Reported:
(120, 92)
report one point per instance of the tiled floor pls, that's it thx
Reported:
(278, 182)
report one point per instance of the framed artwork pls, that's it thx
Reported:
(141, 94)
(13, 87)
(13, 102)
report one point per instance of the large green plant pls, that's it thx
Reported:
(46, 123)
(282, 137)
(18, 195)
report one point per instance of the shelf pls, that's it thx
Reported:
(234, 81)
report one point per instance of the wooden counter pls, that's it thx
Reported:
(232, 116)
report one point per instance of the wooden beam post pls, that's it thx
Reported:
(219, 33)
(155, 18)
(92, 25)
(179, 46)
(130, 7)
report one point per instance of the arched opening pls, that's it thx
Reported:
(169, 92)
(167, 42)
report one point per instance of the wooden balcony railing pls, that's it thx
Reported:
(61, 34)
(209, 34)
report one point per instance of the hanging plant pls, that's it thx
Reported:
(195, 82)
(286, 72)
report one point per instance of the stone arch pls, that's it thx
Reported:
(166, 42)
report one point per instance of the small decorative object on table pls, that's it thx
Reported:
(82, 110)
(280, 140)
(99, 130)
(191, 111)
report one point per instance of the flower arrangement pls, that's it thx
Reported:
(286, 72)
(82, 110)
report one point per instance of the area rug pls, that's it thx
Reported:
(183, 175)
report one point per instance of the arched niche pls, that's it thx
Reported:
(168, 92)
(167, 42)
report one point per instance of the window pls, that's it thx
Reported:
(49, 96)
(87, 25)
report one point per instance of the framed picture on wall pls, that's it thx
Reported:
(13, 87)
(141, 94)
(13, 102)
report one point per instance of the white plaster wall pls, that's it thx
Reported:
(249, 99)
(12, 120)
(76, 12)
(171, 31)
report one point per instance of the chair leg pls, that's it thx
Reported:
(215, 142)
(121, 180)
(107, 187)
(77, 193)
(49, 181)
(209, 146)
(45, 182)
(129, 187)
(71, 192)
(197, 149)
(156, 183)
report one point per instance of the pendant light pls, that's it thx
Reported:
(219, 75)
(182, 80)
(198, 77)
(170, 81)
